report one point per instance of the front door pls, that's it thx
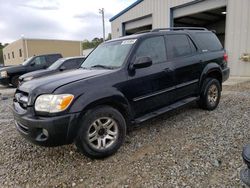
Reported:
(151, 88)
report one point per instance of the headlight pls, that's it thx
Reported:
(53, 103)
(4, 74)
(27, 78)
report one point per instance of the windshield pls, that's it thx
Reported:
(26, 62)
(56, 64)
(109, 55)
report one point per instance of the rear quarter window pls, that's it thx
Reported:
(208, 41)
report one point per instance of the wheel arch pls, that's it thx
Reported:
(117, 102)
(212, 70)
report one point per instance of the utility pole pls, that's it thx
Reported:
(101, 11)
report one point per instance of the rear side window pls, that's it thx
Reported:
(152, 47)
(208, 41)
(179, 46)
(52, 58)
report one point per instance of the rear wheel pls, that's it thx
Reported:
(210, 96)
(102, 132)
(14, 81)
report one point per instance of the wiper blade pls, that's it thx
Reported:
(102, 66)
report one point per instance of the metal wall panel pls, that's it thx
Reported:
(237, 36)
(237, 26)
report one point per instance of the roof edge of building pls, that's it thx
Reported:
(52, 39)
(125, 10)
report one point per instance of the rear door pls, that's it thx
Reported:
(186, 59)
(151, 88)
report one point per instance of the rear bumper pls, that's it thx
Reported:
(4, 81)
(44, 131)
(225, 74)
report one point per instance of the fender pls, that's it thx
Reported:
(98, 97)
(211, 67)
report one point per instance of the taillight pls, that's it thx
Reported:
(225, 57)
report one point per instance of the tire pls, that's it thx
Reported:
(14, 81)
(102, 132)
(210, 95)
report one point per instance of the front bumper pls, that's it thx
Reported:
(225, 74)
(4, 81)
(45, 131)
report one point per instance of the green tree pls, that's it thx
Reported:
(91, 44)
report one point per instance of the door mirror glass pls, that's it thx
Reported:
(142, 62)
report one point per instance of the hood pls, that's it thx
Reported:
(50, 83)
(38, 73)
(13, 69)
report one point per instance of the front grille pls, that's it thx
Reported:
(22, 98)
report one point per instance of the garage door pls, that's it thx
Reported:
(185, 10)
(138, 25)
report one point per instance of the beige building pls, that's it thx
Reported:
(16, 52)
(230, 19)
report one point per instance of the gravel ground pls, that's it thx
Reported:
(187, 147)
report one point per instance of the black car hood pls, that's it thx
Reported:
(13, 69)
(50, 83)
(38, 73)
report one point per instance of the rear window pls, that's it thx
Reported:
(208, 41)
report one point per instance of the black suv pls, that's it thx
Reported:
(60, 65)
(123, 82)
(10, 75)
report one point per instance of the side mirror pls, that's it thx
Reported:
(32, 64)
(142, 62)
(62, 68)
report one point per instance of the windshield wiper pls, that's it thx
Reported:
(102, 66)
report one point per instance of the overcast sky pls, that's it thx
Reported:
(56, 19)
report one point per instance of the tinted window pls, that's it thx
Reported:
(152, 47)
(40, 60)
(208, 41)
(71, 64)
(52, 58)
(179, 45)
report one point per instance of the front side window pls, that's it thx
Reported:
(109, 55)
(154, 48)
(179, 46)
(56, 64)
(70, 64)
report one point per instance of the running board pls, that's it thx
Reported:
(165, 109)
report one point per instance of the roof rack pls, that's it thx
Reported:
(144, 31)
(179, 28)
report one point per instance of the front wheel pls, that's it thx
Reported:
(102, 132)
(210, 96)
